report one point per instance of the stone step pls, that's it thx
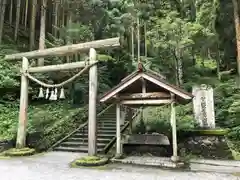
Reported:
(106, 125)
(106, 131)
(80, 144)
(106, 121)
(100, 123)
(99, 140)
(106, 128)
(99, 135)
(108, 116)
(74, 149)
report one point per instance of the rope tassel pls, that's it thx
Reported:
(52, 96)
(55, 94)
(47, 94)
(62, 95)
(40, 95)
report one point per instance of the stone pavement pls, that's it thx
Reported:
(55, 165)
(195, 164)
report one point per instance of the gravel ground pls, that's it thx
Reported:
(55, 166)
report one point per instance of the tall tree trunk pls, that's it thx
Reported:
(237, 27)
(218, 61)
(180, 71)
(132, 41)
(17, 19)
(145, 38)
(69, 39)
(2, 15)
(42, 30)
(32, 26)
(179, 67)
(26, 15)
(55, 26)
(138, 38)
(11, 12)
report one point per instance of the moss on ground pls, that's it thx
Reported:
(237, 174)
(213, 132)
(14, 152)
(236, 155)
(90, 161)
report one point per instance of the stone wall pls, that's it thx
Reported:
(4, 145)
(142, 150)
(208, 147)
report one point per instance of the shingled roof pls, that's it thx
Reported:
(151, 76)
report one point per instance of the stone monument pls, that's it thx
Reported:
(203, 106)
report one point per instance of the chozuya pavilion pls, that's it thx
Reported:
(146, 88)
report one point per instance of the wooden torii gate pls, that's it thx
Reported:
(60, 51)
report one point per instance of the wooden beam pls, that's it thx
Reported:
(150, 95)
(149, 101)
(92, 122)
(59, 67)
(168, 87)
(112, 93)
(22, 126)
(68, 49)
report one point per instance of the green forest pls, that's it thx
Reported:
(191, 42)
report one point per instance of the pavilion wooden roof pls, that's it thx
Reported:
(150, 76)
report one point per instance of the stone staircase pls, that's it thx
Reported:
(106, 134)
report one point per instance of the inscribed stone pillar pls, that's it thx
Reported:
(203, 106)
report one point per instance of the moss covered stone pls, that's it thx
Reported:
(90, 161)
(19, 152)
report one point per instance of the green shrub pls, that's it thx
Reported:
(55, 123)
(157, 119)
(234, 134)
(50, 121)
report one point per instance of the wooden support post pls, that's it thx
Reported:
(92, 123)
(175, 157)
(118, 131)
(22, 126)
